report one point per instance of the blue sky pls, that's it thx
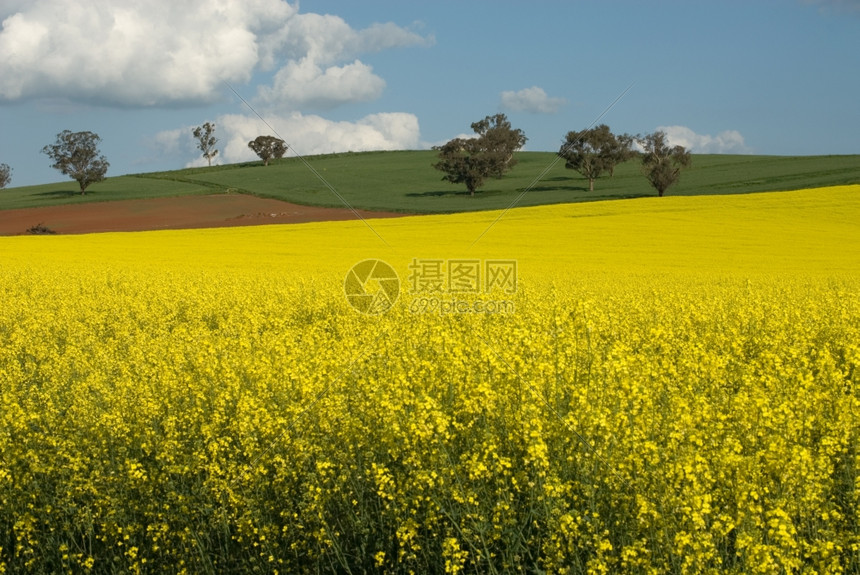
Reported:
(768, 77)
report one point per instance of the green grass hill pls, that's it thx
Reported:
(405, 181)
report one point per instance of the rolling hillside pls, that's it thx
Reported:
(405, 181)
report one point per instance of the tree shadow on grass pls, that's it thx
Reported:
(442, 193)
(559, 188)
(61, 194)
(606, 197)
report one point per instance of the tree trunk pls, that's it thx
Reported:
(590, 184)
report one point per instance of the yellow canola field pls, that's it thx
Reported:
(675, 388)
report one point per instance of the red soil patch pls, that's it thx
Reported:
(212, 211)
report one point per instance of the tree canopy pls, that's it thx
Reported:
(500, 140)
(593, 151)
(472, 160)
(77, 155)
(5, 175)
(622, 150)
(268, 148)
(662, 163)
(206, 140)
(465, 161)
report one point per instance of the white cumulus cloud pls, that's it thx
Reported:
(310, 134)
(170, 142)
(315, 44)
(126, 53)
(164, 53)
(461, 136)
(727, 142)
(533, 100)
(325, 39)
(304, 85)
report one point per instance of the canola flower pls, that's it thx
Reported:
(208, 401)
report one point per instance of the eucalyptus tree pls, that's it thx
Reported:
(662, 163)
(76, 154)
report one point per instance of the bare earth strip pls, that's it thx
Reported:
(171, 213)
